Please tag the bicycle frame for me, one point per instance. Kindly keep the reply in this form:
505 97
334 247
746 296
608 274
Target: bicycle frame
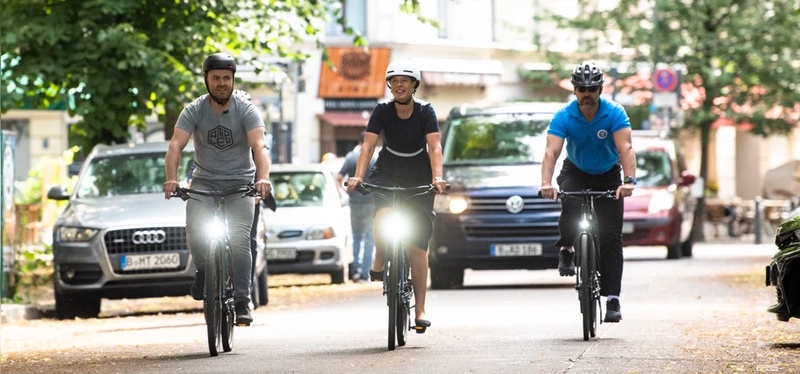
396 283
587 251
218 303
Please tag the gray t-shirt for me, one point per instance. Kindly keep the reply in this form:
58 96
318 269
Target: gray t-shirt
221 151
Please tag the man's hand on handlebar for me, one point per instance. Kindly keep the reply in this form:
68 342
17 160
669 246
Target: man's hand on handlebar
624 190
548 192
263 187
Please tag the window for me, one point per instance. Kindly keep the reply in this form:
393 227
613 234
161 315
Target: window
355 15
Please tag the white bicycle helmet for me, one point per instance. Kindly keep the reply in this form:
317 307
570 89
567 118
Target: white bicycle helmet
404 68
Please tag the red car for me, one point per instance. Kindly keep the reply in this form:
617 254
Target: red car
661 210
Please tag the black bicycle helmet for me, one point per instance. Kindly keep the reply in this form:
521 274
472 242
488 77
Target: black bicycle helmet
587 74
219 61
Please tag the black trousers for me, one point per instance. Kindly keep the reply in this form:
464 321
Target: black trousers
609 220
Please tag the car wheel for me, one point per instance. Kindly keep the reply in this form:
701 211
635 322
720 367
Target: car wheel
686 247
444 278
339 276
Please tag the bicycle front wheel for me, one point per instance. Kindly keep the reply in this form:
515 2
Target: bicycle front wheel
585 271
228 316
403 298
393 291
212 303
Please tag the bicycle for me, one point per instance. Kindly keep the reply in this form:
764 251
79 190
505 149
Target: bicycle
587 255
218 303
396 280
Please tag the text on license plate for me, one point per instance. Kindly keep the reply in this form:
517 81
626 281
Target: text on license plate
524 249
153 261
281 254
627 227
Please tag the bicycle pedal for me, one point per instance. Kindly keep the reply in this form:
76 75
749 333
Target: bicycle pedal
420 329
242 324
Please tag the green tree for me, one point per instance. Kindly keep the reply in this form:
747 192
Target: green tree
116 62
741 55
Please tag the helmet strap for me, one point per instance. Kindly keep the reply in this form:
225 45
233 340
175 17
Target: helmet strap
216 99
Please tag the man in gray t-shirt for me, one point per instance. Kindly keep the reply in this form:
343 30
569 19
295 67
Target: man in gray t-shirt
229 152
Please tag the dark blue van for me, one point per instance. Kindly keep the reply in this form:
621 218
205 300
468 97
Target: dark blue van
492 217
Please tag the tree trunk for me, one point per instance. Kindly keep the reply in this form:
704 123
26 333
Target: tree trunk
170 118
700 212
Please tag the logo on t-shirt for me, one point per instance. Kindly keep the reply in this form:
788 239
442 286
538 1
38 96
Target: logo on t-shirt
220 137
602 134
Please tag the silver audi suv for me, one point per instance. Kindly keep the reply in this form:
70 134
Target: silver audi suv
118 237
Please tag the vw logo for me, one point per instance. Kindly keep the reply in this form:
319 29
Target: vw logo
514 204
149 237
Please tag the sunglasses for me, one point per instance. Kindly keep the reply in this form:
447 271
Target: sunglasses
590 89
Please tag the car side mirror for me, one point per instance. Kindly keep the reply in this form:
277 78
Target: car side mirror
686 179
58 193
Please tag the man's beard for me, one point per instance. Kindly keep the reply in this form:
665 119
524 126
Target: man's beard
218 100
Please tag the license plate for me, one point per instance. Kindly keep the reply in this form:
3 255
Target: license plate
627 227
281 254
525 249
154 261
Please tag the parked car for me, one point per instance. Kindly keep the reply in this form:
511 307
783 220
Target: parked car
118 237
492 217
662 208
310 231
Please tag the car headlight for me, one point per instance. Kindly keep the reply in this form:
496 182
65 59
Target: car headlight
661 201
319 233
395 225
453 204
76 234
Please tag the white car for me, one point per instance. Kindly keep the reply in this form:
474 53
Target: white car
310 231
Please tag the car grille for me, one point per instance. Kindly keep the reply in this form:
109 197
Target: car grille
487 207
120 242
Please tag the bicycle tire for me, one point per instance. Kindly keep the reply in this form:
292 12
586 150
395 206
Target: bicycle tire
228 314
585 287
594 287
393 291
212 303
403 309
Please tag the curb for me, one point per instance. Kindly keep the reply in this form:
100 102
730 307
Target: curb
15 312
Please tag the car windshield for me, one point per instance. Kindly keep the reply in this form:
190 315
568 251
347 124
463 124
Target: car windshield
294 189
497 139
653 169
130 174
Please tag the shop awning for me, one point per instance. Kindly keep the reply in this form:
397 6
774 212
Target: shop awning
345 119
459 72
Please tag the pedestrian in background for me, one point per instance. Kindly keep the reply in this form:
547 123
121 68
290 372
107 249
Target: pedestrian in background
362 209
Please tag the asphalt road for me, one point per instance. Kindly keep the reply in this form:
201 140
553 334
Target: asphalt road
700 315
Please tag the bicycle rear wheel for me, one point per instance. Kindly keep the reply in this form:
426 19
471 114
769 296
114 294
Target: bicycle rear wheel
393 268
228 315
585 288
403 309
212 303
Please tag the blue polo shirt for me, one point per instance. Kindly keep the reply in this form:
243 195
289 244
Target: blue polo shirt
590 145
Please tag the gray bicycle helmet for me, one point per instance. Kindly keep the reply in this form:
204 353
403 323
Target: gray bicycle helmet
219 61
587 74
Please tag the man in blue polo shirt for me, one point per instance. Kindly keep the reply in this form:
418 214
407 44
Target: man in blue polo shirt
598 136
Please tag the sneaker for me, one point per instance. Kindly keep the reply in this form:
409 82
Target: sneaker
243 316
566 263
613 314
198 285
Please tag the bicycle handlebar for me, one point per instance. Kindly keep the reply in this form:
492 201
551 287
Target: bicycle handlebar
183 192
367 188
586 193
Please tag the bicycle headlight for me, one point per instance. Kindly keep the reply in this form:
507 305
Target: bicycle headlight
215 229
584 224
396 225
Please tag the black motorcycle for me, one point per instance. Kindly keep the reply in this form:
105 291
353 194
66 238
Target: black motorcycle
784 270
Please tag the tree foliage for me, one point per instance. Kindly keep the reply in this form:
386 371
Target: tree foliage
116 62
741 56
